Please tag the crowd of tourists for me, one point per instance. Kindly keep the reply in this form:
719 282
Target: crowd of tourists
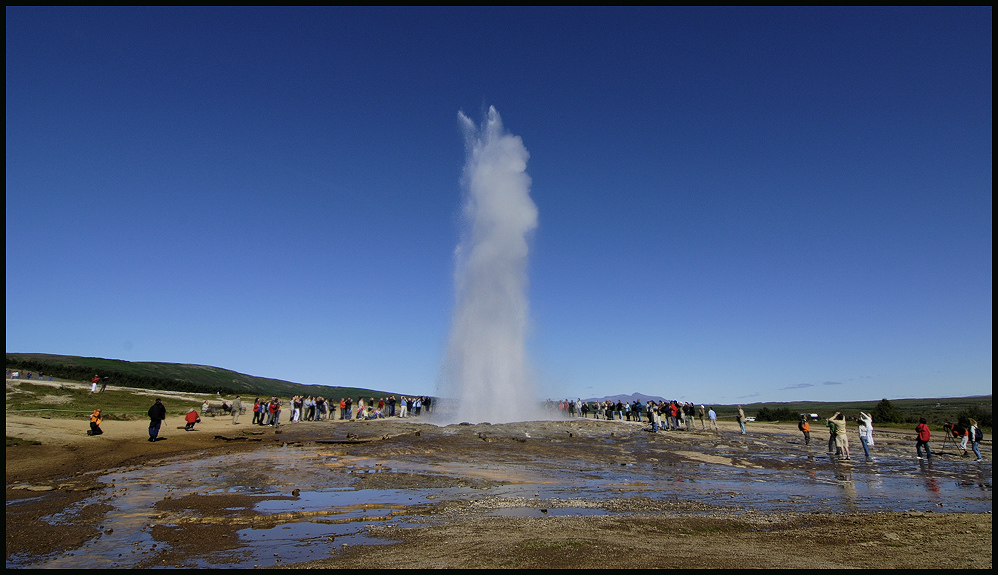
317 408
685 416
662 415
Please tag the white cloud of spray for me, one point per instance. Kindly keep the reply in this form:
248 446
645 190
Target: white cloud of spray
486 375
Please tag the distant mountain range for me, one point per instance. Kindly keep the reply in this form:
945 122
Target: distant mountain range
626 398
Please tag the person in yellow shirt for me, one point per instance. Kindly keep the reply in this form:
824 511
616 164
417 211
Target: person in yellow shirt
841 439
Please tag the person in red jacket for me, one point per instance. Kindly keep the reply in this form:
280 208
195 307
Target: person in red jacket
922 429
191 418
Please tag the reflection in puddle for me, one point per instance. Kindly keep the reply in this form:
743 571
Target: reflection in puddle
285 504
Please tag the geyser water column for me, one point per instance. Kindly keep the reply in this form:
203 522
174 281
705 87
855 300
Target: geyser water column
486 375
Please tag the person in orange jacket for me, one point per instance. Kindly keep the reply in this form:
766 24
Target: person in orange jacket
95 421
805 428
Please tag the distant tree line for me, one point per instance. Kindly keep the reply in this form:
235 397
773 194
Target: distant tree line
777 414
886 412
983 417
86 374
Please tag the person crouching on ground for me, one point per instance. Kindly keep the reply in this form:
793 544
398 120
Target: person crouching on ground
961 435
95 421
191 418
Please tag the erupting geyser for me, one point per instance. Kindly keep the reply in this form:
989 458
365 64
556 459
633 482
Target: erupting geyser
486 375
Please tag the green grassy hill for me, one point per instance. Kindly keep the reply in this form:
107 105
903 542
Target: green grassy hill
170 376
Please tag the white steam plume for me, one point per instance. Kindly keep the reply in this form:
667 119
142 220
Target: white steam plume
486 376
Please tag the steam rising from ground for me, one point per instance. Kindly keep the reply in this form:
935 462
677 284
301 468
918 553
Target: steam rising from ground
486 375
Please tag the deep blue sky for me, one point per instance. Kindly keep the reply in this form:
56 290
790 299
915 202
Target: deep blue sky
735 204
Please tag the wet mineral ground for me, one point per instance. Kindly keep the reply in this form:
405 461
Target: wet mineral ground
576 493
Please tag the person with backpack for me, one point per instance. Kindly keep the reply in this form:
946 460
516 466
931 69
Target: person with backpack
976 435
805 428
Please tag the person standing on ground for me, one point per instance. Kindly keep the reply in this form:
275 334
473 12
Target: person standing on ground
831 438
922 430
841 439
741 419
712 415
157 413
93 386
237 406
805 428
700 413
273 410
865 432
263 408
976 435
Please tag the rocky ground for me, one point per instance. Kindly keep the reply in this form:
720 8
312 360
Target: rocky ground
577 493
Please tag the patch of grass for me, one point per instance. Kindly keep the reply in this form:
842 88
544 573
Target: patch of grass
125 404
15 441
